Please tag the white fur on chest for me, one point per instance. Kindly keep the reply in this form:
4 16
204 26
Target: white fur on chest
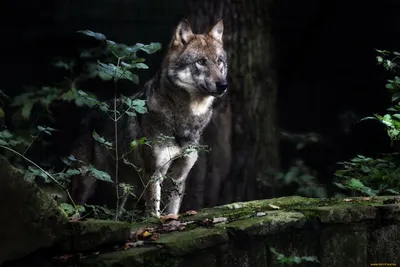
201 106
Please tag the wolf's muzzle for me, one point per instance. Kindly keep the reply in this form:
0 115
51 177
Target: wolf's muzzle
221 88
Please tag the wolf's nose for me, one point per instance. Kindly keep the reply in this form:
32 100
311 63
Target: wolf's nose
221 86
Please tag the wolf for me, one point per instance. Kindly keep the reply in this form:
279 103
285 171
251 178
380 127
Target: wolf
179 100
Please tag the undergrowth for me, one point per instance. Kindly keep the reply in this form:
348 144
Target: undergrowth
378 175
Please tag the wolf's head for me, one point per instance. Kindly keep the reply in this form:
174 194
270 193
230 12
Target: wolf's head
197 63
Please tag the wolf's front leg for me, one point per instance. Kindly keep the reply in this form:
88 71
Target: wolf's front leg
153 195
180 169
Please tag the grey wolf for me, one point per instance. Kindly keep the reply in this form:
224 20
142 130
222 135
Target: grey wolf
179 101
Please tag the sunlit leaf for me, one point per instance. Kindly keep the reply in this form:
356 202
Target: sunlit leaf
26 109
141 66
95 35
101 140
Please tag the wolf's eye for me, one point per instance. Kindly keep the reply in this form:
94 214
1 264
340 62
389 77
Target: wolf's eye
201 61
219 61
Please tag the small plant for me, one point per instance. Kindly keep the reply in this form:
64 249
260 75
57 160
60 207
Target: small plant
377 176
390 61
291 260
368 176
108 61
298 178
303 178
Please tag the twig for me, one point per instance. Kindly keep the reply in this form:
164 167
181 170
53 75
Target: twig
116 143
40 168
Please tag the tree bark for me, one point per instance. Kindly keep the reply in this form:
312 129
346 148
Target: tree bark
243 133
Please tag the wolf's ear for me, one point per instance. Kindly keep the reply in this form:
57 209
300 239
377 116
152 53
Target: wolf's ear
217 30
183 33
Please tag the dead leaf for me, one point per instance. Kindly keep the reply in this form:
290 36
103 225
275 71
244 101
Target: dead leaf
348 200
260 214
65 257
146 234
139 233
190 212
173 226
366 198
207 222
142 233
129 245
220 220
274 206
169 217
155 236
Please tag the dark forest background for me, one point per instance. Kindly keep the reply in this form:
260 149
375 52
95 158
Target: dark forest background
296 67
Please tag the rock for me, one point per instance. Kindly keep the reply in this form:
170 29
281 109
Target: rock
88 235
29 219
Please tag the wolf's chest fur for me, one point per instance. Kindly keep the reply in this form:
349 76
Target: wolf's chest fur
184 122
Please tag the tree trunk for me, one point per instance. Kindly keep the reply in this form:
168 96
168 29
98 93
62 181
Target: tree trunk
243 133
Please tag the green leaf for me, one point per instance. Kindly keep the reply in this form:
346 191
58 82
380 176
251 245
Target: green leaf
150 48
126 100
130 113
1 113
126 65
356 183
3 142
107 70
389 86
127 75
46 130
80 98
95 35
365 169
64 65
100 175
136 143
392 191
16 142
5 134
101 140
105 76
137 60
72 172
68 208
396 97
310 258
139 106
141 66
35 172
111 43
369 118
26 109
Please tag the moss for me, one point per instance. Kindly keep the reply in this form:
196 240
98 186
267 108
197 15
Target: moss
383 244
181 243
389 211
345 242
33 221
273 222
344 245
135 257
90 234
345 213
201 258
